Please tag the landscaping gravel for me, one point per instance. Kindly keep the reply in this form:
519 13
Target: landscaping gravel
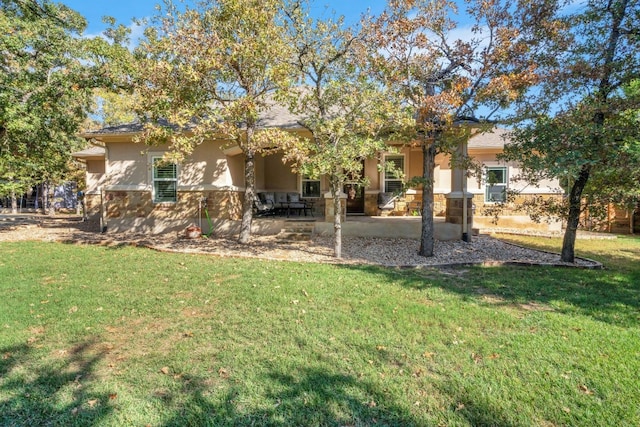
355 250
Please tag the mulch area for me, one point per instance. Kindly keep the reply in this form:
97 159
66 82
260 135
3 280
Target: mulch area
355 250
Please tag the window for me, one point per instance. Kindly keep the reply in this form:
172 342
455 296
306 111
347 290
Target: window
496 184
393 174
310 187
165 181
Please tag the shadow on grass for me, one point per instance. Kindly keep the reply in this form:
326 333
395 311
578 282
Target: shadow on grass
604 295
42 392
303 396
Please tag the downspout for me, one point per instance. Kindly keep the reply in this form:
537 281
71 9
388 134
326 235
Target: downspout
103 225
466 235
465 226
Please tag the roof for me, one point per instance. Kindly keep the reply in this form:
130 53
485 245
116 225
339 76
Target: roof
277 116
90 152
495 138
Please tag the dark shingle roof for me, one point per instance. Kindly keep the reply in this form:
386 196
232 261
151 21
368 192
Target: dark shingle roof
277 116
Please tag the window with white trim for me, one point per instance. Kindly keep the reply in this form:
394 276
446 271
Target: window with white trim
393 175
496 184
165 181
310 187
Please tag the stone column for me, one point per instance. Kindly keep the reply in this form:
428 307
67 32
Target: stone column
329 213
459 201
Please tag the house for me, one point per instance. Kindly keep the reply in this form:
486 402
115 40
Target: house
128 188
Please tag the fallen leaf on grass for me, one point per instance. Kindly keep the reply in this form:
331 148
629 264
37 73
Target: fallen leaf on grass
165 370
92 403
583 388
113 396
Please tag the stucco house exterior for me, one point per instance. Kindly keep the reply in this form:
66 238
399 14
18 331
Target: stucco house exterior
129 189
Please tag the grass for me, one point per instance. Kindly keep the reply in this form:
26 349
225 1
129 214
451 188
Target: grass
127 336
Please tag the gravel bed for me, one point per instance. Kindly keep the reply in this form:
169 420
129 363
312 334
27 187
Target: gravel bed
355 250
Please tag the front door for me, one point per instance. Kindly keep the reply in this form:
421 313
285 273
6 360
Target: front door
355 198
355 194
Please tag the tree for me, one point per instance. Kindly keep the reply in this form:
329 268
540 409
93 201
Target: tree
583 127
113 108
444 79
48 72
209 72
346 113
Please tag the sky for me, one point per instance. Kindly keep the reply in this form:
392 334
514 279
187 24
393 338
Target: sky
125 10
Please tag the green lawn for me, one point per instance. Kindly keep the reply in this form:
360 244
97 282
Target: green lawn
127 336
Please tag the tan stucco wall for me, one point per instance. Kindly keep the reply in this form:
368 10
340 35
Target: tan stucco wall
260 173
277 175
488 158
95 175
372 173
126 165
413 160
129 165
208 165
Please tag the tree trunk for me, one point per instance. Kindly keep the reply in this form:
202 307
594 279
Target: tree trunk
249 196
14 202
45 197
48 207
575 197
337 219
428 168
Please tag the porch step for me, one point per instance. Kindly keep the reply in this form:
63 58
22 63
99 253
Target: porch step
296 231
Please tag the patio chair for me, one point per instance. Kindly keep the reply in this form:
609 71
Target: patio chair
265 208
387 203
296 204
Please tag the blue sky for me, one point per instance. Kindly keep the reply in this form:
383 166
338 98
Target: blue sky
125 10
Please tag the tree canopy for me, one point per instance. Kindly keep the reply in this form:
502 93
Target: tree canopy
581 123
208 71
48 73
347 113
447 79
